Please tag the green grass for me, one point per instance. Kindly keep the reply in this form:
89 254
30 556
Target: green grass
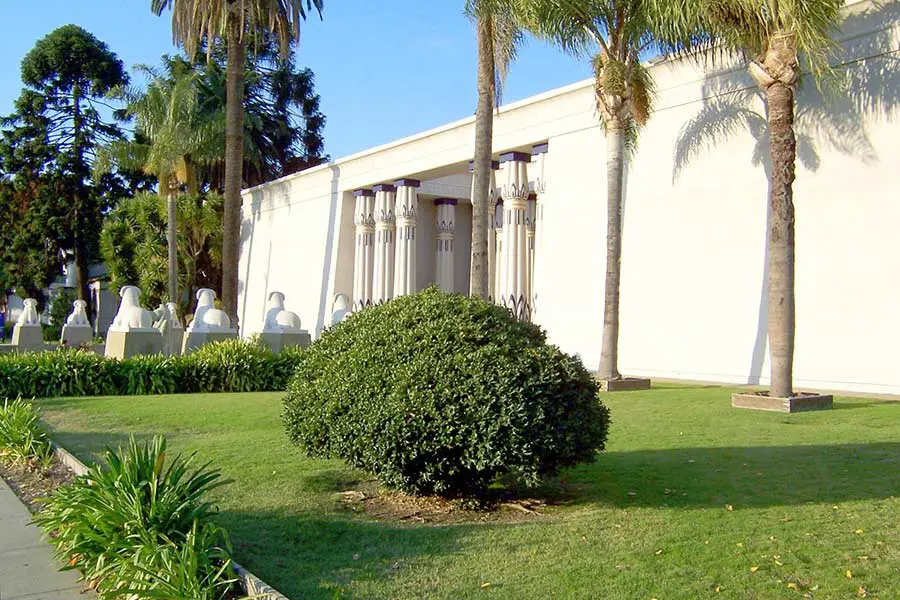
815 492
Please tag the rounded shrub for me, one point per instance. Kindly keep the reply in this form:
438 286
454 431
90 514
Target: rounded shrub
440 393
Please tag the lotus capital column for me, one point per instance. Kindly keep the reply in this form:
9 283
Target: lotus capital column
406 211
385 229
364 257
515 285
446 234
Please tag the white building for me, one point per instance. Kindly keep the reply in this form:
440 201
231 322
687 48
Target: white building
397 218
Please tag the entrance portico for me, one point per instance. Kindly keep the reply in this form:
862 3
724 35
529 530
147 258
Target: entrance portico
406 235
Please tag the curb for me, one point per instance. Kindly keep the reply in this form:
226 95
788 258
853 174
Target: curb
252 585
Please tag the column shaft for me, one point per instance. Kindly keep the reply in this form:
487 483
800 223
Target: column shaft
515 288
364 258
446 233
406 211
383 273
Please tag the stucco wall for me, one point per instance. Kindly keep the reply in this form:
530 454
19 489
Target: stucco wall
692 298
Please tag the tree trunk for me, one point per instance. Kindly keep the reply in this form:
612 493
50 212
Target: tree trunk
172 231
615 166
234 160
781 238
78 243
484 131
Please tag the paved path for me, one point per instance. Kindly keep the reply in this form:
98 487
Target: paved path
27 568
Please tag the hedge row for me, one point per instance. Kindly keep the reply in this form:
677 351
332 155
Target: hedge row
230 366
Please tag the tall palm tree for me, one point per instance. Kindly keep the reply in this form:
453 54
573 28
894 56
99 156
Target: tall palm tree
174 135
196 21
498 38
775 37
614 34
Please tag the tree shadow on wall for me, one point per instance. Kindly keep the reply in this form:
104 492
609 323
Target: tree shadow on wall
834 117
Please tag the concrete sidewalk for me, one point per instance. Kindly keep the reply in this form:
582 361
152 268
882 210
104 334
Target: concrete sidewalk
27 567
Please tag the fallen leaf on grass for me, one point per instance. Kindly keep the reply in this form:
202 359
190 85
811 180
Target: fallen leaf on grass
779 563
729 507
485 585
792 585
754 569
658 552
859 532
861 592
849 574
718 589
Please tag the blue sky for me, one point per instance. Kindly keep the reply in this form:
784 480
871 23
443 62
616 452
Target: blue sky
384 70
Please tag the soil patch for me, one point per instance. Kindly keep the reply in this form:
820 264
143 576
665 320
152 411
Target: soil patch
31 482
498 507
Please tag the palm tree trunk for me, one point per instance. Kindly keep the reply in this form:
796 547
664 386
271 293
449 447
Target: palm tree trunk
615 167
234 160
173 248
484 131
781 238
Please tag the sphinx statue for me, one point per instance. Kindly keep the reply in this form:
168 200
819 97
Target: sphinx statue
132 331
282 327
340 308
209 324
77 330
27 332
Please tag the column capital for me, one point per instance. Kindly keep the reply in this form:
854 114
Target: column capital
540 149
451 201
495 165
515 157
384 187
407 183
363 193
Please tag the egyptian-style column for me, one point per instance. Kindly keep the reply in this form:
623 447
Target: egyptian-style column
446 230
383 269
530 221
492 234
364 257
406 210
539 186
514 277
497 237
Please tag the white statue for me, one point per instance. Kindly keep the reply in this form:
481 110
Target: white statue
208 318
279 320
29 314
173 316
340 308
78 318
131 315
162 319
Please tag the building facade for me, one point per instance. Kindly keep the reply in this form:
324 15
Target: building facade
397 218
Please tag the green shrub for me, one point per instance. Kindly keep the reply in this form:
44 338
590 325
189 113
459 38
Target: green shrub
22 438
439 393
231 366
110 522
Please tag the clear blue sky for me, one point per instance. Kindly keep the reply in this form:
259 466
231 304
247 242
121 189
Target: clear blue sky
384 69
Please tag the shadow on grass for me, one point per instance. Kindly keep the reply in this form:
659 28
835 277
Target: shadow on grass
314 555
743 477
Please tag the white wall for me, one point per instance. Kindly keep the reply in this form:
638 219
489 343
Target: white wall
692 295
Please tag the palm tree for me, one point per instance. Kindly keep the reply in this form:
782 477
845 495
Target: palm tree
774 36
174 135
196 21
498 40
614 33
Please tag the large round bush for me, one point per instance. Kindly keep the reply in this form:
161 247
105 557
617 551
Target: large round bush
440 393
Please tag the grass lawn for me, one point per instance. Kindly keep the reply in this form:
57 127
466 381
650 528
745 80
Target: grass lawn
693 499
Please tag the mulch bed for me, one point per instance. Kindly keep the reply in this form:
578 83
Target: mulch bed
32 482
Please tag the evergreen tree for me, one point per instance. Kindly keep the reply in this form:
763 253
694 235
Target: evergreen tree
48 149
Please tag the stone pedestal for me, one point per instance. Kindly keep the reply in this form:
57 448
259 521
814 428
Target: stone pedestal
125 344
193 340
28 338
173 341
626 384
798 403
74 336
276 342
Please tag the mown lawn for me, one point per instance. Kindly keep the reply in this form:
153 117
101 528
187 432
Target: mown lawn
693 499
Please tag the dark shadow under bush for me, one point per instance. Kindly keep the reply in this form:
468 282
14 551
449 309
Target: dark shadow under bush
440 393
